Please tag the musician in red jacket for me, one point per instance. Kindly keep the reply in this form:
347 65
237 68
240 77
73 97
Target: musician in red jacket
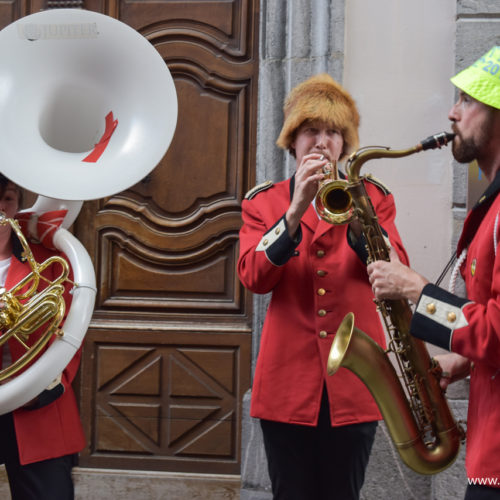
318 430
468 327
39 441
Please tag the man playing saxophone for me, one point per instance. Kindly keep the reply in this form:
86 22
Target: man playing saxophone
318 430
467 327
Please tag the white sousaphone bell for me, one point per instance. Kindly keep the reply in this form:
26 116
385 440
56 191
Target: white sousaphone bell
87 109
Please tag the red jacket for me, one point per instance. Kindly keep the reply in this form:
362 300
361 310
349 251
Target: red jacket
53 430
314 284
471 327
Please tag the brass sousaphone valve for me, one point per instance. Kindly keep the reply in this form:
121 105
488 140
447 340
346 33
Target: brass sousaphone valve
24 311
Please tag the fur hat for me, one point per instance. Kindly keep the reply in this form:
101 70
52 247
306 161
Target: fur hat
320 98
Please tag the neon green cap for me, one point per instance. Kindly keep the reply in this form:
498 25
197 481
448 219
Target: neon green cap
481 80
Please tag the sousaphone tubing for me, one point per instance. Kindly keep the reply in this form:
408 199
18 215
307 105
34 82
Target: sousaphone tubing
87 109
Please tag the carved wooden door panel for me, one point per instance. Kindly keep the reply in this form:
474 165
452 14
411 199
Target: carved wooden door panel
167 358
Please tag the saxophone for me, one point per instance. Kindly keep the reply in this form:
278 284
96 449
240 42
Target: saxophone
415 409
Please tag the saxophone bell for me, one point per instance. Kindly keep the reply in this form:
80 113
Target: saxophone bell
425 454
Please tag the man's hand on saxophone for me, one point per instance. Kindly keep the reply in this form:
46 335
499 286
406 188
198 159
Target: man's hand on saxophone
394 280
454 366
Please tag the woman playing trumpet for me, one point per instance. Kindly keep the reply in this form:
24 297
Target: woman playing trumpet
318 430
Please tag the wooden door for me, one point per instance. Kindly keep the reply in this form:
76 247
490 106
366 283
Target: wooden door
166 360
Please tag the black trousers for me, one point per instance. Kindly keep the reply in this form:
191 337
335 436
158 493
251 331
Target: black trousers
45 480
479 492
317 463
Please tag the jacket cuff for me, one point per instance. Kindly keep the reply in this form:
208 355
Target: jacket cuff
277 243
437 315
48 396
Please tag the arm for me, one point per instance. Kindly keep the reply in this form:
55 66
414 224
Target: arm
264 250
441 318
307 178
269 237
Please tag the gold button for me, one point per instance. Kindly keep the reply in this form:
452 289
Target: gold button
431 308
320 253
321 312
452 317
265 242
320 272
323 334
277 230
321 291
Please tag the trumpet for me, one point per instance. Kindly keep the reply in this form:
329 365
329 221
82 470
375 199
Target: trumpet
334 198
333 201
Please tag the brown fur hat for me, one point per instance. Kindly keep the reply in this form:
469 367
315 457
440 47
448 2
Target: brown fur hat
320 98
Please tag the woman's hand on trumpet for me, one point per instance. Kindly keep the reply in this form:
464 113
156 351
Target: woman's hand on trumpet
309 173
394 280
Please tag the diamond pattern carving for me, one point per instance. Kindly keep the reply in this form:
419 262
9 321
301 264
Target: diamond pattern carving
168 401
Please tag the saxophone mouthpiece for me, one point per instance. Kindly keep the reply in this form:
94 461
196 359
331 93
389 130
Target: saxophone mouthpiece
437 140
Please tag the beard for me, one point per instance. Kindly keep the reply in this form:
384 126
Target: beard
465 150
469 149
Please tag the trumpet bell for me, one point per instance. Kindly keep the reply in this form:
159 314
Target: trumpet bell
76 84
334 203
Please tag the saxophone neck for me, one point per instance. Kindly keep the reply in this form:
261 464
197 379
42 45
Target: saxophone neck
361 156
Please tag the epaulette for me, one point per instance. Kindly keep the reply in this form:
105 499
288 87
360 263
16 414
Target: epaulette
379 184
257 189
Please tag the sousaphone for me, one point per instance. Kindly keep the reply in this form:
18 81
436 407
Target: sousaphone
87 109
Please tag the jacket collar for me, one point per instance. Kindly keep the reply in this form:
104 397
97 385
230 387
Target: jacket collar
478 212
490 193
18 265
17 248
